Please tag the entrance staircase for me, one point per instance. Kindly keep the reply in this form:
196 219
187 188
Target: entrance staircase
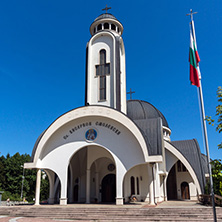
112 213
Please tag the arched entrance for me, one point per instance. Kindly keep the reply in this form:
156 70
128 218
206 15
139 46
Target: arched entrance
171 184
109 188
185 194
91 171
67 138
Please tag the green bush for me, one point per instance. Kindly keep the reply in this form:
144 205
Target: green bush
12 197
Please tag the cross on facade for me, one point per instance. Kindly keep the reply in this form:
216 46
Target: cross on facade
102 70
191 14
106 8
130 92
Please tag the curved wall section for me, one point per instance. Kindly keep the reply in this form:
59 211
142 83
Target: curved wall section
114 131
176 155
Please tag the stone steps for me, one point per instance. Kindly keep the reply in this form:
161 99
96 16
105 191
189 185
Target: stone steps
113 213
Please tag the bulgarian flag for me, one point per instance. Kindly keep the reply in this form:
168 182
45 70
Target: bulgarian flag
194 59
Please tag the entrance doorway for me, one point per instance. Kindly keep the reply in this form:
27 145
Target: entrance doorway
185 194
171 184
109 188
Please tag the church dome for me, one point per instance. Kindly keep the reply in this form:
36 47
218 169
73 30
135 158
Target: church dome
104 16
106 22
138 110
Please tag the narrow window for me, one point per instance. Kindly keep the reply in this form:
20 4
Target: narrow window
106 26
137 185
179 166
113 27
102 87
184 168
99 27
132 183
102 70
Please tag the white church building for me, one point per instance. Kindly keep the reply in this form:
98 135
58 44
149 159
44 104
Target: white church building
112 150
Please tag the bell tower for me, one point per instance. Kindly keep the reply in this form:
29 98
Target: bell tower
105 64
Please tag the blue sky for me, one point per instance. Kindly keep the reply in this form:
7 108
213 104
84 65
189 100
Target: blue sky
42 63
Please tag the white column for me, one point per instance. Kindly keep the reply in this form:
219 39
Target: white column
63 181
151 184
119 191
120 172
165 187
157 183
51 176
87 186
119 186
37 188
71 185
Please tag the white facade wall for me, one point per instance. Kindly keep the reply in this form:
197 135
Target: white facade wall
185 177
123 76
106 40
59 143
141 173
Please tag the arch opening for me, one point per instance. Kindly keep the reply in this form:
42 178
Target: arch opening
53 186
88 180
180 185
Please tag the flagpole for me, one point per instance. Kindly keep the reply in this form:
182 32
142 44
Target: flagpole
204 124
207 149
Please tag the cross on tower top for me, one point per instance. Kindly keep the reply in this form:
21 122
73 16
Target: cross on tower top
106 8
130 92
191 14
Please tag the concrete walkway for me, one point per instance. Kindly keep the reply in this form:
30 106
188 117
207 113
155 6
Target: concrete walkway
181 204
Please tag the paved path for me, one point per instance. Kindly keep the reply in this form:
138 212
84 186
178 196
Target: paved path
180 204
26 219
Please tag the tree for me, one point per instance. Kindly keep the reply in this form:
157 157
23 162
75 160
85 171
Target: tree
2 172
218 116
11 172
44 189
217 176
216 164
